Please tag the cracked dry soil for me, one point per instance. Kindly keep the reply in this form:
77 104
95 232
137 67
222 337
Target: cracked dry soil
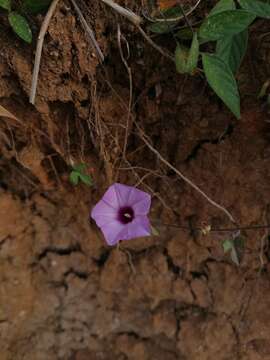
64 295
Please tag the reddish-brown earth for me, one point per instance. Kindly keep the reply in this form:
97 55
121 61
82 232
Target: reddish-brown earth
63 293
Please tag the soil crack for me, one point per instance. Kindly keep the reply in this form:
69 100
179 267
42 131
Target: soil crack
194 152
60 251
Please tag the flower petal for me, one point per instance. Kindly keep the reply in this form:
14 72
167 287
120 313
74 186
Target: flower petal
111 232
106 213
113 196
123 193
137 228
141 198
140 227
103 208
102 220
142 206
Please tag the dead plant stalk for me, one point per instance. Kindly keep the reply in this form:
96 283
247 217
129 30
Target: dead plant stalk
41 36
136 20
129 117
43 30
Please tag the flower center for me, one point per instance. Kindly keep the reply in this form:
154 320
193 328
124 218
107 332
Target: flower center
126 215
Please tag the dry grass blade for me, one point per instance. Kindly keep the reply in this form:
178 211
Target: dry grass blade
5 113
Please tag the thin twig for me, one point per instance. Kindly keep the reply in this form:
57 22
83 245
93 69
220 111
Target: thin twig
152 43
185 16
39 47
183 177
89 31
129 117
130 15
136 20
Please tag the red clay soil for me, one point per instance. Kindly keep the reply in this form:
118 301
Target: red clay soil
64 294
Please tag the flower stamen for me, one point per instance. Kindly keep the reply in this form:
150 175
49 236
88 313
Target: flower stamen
125 214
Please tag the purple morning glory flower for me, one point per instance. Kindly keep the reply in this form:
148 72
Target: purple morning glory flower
122 212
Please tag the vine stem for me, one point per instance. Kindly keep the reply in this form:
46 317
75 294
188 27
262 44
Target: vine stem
239 228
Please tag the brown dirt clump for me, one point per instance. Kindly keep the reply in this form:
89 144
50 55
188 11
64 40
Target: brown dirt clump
65 295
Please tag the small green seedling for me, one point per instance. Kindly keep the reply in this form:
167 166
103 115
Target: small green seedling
235 245
78 174
226 30
17 21
154 231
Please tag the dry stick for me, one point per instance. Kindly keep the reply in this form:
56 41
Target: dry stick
185 16
183 177
136 20
89 31
152 43
147 143
41 36
119 35
130 15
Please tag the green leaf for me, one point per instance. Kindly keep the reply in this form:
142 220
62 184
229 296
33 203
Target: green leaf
20 26
226 23
227 245
193 55
86 179
222 81
163 27
256 7
181 56
172 12
185 34
186 60
239 243
235 257
237 251
154 231
232 49
221 6
80 167
74 178
5 4
36 6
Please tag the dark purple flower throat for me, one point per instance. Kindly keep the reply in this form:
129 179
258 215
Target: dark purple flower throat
125 214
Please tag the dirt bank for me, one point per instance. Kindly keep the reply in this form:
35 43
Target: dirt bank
63 293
